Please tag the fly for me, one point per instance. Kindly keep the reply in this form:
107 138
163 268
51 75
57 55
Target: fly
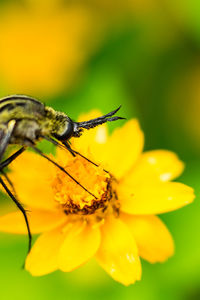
24 121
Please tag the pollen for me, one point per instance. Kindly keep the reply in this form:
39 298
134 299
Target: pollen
72 197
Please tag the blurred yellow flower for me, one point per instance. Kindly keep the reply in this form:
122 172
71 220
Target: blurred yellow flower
119 226
42 46
136 7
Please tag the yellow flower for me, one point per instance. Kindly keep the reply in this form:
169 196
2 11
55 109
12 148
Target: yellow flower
43 44
119 226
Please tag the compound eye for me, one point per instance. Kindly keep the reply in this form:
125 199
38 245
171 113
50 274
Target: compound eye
67 134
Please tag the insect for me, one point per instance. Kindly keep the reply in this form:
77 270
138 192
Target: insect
24 121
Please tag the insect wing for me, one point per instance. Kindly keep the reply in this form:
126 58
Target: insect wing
5 135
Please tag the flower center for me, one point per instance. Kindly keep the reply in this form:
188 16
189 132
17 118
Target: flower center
74 199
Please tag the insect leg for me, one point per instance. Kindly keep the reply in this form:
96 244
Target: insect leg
9 182
5 135
65 145
6 162
78 153
51 140
21 208
62 169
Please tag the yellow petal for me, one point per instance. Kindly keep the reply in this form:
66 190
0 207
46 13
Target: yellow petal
153 239
154 198
43 258
39 221
123 149
99 136
117 153
80 244
91 141
63 156
32 175
118 253
154 165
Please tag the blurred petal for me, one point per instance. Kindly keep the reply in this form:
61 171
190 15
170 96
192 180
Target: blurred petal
153 239
61 55
118 253
154 165
123 149
39 221
32 175
80 244
154 198
43 258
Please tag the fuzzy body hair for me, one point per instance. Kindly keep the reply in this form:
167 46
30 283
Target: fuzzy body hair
33 119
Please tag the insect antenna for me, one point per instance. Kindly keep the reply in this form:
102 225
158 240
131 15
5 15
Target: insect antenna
21 208
61 168
100 120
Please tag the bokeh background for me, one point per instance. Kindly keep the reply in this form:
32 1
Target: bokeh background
84 54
